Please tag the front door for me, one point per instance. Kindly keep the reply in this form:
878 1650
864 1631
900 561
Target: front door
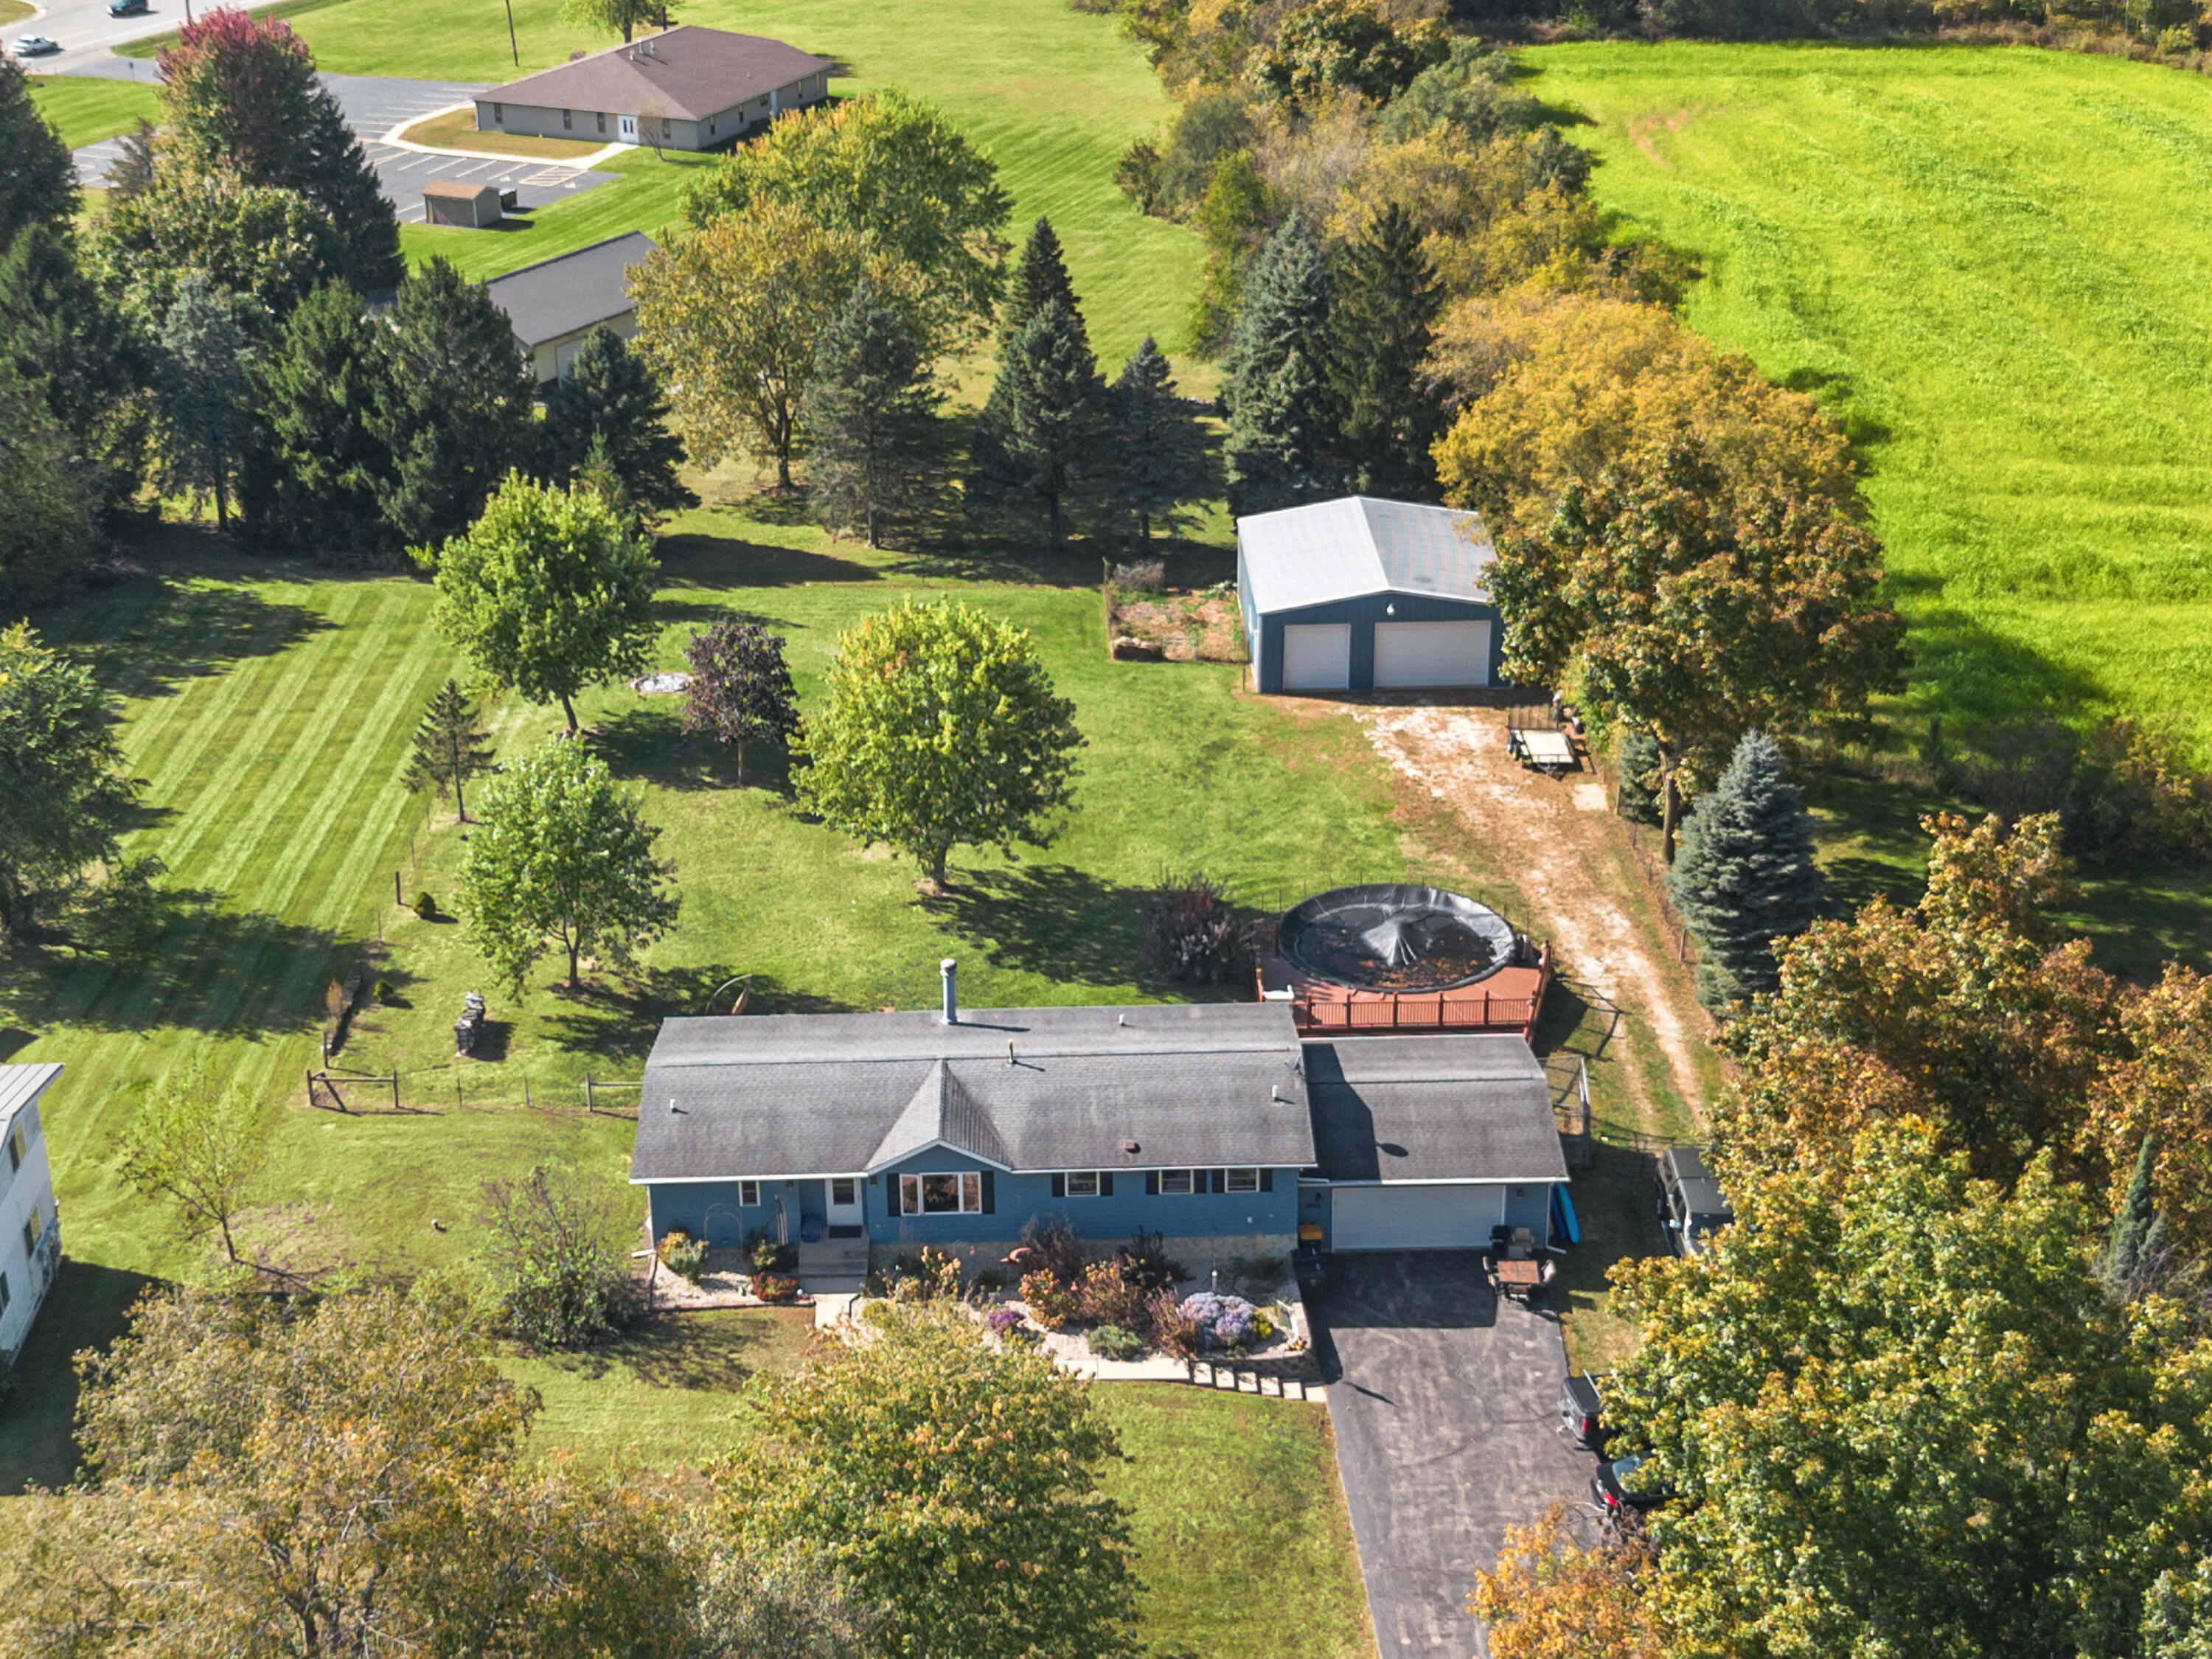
628 129
844 1207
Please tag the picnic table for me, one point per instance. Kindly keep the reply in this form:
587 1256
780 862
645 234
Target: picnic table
1518 1280
1547 751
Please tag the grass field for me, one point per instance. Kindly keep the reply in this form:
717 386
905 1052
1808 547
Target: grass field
84 110
1053 95
1996 265
457 130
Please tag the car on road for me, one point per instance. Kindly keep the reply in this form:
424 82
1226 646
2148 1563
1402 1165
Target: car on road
1609 1486
36 45
126 8
1691 1207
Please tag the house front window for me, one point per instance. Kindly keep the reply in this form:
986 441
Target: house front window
567 120
843 1189
499 114
1083 1183
18 1144
667 129
958 1192
603 120
748 1193
1243 1181
1177 1183
30 1234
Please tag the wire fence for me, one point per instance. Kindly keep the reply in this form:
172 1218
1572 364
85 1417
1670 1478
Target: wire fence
437 1091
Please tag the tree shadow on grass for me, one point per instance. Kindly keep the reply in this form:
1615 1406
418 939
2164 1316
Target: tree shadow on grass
695 558
649 744
88 1307
618 1018
148 640
686 1351
1049 919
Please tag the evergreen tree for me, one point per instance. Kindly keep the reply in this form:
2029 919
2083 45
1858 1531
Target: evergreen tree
1637 763
1054 419
131 173
202 388
317 467
1745 875
1161 461
1283 420
1040 277
872 411
449 748
37 180
61 332
612 395
458 404
49 509
2138 1235
1383 326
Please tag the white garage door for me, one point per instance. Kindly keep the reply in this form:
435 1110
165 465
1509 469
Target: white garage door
1411 653
1414 1218
1317 657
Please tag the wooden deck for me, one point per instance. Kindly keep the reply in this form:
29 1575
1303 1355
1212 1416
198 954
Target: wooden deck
1508 1001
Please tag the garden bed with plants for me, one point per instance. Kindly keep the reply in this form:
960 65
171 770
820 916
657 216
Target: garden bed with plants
1147 621
761 1274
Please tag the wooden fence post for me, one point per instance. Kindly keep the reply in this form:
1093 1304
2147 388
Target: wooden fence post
395 1091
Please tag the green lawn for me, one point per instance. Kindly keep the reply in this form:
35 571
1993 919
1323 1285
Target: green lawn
1995 265
1052 94
85 110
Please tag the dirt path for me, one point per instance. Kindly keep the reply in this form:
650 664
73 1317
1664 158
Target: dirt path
1565 851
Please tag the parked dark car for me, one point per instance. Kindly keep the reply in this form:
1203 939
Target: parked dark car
1609 1486
126 8
1691 1207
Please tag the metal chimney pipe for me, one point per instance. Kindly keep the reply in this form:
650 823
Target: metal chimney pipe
950 970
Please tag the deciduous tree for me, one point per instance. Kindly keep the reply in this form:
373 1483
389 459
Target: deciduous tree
940 727
871 414
1746 876
547 593
552 1250
955 1487
38 185
242 97
450 748
611 396
1554 1596
50 510
1283 419
63 792
611 16
1697 614
740 692
562 859
893 173
197 1145
265 242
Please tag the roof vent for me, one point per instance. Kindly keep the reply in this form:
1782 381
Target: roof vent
1129 1146
948 970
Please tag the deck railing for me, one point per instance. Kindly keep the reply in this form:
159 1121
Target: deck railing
1389 1010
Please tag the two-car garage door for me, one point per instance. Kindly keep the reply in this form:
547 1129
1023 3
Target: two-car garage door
1442 1215
1317 657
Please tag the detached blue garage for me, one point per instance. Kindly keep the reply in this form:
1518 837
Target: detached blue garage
1360 594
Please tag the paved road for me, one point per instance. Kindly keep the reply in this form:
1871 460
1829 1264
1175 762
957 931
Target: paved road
85 31
1445 1404
374 106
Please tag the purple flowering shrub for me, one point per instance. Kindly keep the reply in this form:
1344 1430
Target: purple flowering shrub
1002 1320
1223 1321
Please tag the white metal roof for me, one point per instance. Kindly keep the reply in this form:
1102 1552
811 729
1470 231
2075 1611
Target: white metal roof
1339 550
21 1084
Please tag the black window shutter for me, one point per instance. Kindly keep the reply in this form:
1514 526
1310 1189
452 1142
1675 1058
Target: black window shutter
1105 1183
895 1189
1216 1181
1060 1185
1267 1181
990 1195
1152 1184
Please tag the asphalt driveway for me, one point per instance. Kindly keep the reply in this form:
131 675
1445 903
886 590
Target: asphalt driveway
1445 1403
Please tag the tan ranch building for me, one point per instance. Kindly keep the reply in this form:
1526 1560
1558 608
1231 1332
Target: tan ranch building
698 87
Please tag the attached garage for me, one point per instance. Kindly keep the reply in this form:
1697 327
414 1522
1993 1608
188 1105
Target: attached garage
1426 1216
1360 594
1318 658
1411 655
1427 1143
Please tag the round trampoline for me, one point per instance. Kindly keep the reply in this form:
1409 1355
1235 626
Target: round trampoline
1378 937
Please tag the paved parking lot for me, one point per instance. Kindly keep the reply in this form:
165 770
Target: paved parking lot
374 106
1445 1401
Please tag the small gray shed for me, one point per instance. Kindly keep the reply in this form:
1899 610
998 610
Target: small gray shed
1359 594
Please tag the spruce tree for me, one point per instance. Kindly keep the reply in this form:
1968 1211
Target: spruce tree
38 179
612 394
871 411
1161 461
1283 419
1637 764
1745 876
449 748
2138 1234
1054 422
1386 301
458 406
317 467
62 333
203 387
1040 277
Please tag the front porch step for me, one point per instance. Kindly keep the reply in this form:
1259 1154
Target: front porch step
834 1265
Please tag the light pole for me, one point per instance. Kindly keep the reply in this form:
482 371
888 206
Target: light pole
511 46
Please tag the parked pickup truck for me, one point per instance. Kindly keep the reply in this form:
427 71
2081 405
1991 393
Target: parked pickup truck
1691 1207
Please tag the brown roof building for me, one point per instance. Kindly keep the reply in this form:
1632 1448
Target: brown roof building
449 202
687 89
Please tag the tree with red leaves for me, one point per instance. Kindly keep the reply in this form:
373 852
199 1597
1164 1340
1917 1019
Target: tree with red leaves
243 99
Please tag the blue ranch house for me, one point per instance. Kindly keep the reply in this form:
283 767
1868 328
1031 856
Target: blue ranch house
862 1136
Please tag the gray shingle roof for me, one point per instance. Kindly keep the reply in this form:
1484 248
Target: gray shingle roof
831 1094
1338 550
688 72
21 1084
560 295
1432 1108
